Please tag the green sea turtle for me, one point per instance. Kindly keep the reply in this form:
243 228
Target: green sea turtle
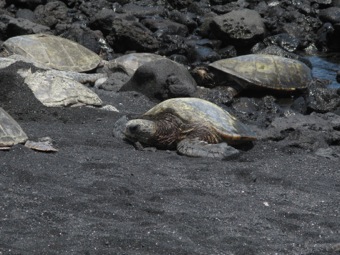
10 131
195 127
53 51
256 72
132 61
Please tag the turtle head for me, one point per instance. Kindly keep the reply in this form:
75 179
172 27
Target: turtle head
140 130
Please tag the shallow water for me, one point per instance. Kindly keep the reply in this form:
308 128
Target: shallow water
326 68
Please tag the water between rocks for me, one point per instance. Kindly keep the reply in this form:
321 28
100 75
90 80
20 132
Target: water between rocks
326 68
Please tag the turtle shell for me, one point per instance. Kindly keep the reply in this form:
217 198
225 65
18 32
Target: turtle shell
266 71
134 60
10 131
53 51
197 111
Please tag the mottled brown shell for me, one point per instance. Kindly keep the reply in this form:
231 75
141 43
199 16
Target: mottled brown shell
53 51
266 71
197 111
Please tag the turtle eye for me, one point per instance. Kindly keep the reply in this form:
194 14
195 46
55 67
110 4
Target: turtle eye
134 128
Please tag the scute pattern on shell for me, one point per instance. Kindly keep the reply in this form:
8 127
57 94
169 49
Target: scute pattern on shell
268 71
54 52
10 131
201 112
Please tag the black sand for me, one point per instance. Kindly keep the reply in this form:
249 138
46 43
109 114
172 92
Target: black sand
98 195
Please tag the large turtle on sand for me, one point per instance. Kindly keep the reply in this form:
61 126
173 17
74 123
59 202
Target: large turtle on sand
53 52
275 74
195 127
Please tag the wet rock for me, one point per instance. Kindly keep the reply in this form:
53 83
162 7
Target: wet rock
187 19
285 41
161 79
286 17
179 4
181 59
227 52
51 14
173 44
198 54
338 76
129 35
321 98
163 27
10 26
331 14
323 37
31 4
242 28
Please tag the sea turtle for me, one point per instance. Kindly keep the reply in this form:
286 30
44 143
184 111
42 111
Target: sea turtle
53 51
52 89
132 61
194 126
256 72
10 131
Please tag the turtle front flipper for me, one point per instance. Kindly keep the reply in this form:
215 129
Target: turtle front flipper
198 148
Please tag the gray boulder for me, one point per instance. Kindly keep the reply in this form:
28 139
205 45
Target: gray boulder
240 27
161 79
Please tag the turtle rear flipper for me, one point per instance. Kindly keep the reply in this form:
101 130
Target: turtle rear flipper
197 148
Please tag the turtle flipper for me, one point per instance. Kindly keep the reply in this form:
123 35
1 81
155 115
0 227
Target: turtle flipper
197 148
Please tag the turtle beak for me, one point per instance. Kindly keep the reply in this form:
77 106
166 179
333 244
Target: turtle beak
140 130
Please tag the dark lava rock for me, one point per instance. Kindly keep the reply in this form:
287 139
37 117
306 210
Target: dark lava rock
161 79
130 35
103 20
322 99
51 14
179 4
285 41
84 36
331 14
324 35
26 14
242 28
143 9
338 76
10 26
31 4
163 27
187 19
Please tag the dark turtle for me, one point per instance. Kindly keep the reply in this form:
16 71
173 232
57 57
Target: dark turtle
195 127
53 52
256 72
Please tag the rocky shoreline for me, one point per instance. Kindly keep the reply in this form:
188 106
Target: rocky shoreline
98 195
